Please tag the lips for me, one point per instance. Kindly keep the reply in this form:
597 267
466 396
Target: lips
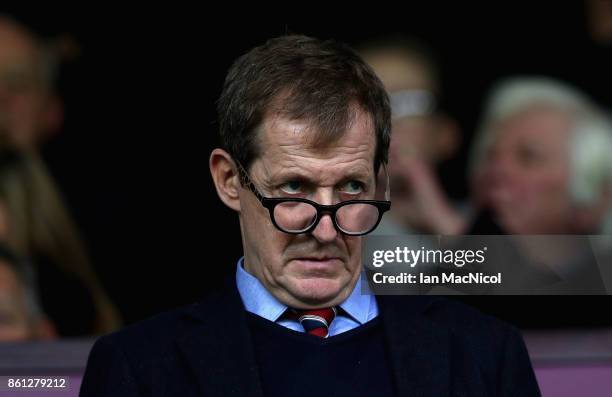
311 267
321 262
313 258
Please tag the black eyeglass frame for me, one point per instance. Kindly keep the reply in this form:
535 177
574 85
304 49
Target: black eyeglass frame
271 202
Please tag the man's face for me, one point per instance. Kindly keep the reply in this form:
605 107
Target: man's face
525 175
320 268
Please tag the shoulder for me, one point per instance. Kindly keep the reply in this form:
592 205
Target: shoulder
158 334
473 334
478 346
144 341
124 363
481 333
156 338
444 312
129 361
493 347
150 354
463 318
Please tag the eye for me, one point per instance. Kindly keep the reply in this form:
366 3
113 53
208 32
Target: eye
529 156
292 187
352 187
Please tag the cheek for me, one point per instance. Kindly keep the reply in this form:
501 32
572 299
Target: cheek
264 240
353 247
274 249
550 187
545 202
255 218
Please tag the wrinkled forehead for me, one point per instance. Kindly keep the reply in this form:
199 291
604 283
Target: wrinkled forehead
283 142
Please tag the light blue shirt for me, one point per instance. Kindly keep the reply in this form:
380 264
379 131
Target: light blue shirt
358 308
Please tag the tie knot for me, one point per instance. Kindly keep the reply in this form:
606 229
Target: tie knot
315 322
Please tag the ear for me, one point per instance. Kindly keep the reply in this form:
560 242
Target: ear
448 137
589 219
225 178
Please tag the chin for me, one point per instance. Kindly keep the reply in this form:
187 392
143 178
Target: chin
318 290
513 227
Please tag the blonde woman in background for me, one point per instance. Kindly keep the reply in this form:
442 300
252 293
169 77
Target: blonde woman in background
33 218
35 224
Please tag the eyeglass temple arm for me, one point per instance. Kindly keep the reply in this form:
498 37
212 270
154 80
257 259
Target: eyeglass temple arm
245 180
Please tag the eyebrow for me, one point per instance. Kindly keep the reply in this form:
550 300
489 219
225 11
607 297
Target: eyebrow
296 175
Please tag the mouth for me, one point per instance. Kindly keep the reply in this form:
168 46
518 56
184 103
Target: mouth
318 263
501 199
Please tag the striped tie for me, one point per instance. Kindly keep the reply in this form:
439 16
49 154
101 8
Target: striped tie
315 322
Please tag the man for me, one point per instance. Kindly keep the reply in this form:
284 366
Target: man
305 126
541 161
541 165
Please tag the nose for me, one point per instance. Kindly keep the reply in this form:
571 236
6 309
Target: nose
500 169
325 232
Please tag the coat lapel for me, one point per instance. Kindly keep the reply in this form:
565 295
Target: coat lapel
420 351
218 347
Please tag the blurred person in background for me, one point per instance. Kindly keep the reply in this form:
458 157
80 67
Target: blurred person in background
542 160
36 225
30 110
541 165
21 315
423 137
40 226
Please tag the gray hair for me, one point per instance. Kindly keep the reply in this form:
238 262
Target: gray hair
590 146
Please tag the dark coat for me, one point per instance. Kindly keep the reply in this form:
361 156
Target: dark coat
438 347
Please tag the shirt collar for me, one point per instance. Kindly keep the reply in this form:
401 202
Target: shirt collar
258 300
360 303
255 297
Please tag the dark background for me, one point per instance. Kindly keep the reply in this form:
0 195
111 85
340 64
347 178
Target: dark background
140 125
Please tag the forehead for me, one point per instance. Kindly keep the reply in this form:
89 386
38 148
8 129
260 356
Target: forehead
544 126
289 143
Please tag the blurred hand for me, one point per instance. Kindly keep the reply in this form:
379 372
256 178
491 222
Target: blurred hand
420 202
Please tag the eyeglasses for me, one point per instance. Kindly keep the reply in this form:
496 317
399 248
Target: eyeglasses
295 215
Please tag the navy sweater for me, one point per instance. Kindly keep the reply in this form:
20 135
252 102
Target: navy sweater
354 363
